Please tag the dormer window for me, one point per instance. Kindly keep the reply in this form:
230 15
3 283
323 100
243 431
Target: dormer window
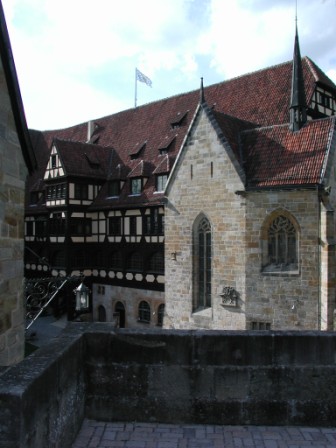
136 185
113 188
161 180
178 120
36 196
137 150
93 160
166 144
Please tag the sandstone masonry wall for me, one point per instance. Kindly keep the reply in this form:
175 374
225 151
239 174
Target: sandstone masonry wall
12 183
130 298
208 180
205 181
287 300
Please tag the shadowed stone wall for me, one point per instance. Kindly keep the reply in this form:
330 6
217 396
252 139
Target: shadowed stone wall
42 398
216 377
96 371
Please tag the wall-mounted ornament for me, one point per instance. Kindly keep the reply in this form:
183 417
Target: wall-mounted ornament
229 296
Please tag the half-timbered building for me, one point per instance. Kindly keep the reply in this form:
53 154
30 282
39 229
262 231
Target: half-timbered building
216 204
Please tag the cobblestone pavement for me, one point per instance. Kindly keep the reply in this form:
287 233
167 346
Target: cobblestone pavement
95 434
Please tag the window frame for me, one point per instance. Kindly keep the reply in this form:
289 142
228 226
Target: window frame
144 312
153 224
57 224
202 263
116 260
81 191
160 182
160 314
280 244
135 262
133 225
113 188
136 186
29 228
57 191
41 225
115 225
53 161
156 263
81 226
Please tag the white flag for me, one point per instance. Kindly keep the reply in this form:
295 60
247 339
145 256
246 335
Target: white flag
143 78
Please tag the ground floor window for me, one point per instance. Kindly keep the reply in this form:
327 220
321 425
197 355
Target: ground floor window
160 314
101 314
260 326
119 310
144 312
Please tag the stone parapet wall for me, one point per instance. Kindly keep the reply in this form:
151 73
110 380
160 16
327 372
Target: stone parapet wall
96 371
42 399
256 378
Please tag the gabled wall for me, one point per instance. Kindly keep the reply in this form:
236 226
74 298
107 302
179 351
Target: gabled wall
204 181
207 181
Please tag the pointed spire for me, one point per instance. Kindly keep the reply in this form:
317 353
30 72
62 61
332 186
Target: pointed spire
298 105
202 98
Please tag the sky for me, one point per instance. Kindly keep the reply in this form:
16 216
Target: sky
76 59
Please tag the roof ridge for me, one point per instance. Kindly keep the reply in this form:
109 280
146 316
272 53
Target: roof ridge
181 94
312 68
308 123
80 143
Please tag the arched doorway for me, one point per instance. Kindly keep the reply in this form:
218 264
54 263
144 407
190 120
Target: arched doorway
101 314
120 310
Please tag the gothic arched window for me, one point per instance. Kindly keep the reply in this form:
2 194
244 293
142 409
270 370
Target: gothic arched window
282 245
202 263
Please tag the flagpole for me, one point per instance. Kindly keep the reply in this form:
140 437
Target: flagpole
135 95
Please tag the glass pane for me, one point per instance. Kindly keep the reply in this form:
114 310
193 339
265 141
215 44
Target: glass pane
204 264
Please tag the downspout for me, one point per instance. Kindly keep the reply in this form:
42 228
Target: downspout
319 262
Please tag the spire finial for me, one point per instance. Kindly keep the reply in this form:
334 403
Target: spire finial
202 98
298 105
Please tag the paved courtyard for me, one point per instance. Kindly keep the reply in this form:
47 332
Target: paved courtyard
95 434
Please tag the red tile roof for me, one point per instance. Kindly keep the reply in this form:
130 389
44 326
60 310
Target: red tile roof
84 160
256 99
275 156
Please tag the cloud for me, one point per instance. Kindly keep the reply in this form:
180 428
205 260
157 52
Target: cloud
76 58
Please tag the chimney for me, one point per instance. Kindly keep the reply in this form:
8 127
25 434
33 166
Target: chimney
90 131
